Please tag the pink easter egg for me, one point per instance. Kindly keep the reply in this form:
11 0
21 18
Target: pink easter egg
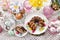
48 11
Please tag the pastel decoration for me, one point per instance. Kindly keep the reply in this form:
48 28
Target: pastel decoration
48 11
11 33
27 5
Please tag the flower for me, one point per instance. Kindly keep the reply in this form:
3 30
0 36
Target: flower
14 6
37 3
27 6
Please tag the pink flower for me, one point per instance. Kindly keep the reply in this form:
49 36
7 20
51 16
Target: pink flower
27 6
48 11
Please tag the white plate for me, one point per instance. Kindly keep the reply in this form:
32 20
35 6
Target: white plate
19 34
29 17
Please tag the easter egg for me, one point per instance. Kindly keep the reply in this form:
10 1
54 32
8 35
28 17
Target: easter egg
11 33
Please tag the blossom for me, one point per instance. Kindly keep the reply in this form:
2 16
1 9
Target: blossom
37 3
14 6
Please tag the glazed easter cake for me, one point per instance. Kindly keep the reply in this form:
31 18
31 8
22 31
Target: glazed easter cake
36 24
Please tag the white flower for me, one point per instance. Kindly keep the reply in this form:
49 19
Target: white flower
14 6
